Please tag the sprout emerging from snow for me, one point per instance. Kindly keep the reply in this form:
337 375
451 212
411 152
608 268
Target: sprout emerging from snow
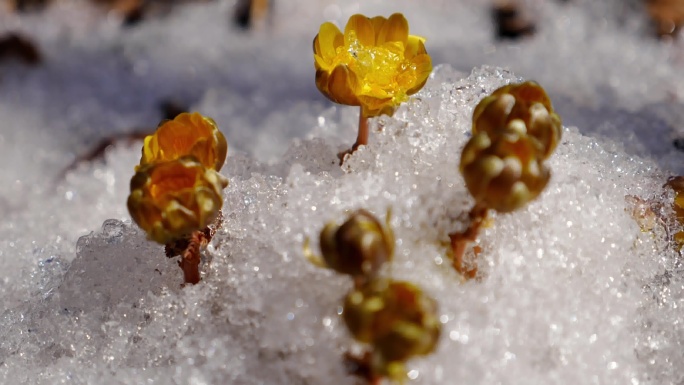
375 64
176 192
359 247
514 130
396 319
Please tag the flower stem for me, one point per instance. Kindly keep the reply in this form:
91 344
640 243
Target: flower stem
191 258
361 137
361 367
459 241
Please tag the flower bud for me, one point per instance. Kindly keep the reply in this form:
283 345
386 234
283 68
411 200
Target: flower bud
504 174
396 318
359 247
524 108
187 134
171 199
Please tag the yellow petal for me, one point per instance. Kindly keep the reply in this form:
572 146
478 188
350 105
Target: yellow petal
375 106
179 137
395 29
378 22
415 46
341 86
322 77
422 65
325 41
362 27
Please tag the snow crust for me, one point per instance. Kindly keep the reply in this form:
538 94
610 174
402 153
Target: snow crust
573 291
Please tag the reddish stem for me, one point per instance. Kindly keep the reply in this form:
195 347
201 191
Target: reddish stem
361 137
459 241
191 258
362 368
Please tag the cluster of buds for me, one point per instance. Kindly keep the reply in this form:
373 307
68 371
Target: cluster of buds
176 192
396 319
514 131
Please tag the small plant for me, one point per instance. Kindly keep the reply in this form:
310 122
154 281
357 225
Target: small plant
514 131
375 65
358 248
176 190
396 319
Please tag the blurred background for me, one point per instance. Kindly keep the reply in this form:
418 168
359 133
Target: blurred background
79 77
76 74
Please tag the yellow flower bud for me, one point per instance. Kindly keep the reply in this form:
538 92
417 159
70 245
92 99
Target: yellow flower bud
187 134
503 173
171 199
396 318
524 108
375 64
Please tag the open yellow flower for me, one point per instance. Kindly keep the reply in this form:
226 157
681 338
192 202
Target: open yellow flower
187 134
170 200
375 64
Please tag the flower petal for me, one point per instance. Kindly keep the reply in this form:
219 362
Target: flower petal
378 22
179 137
395 29
341 86
423 67
375 105
362 27
322 82
415 46
328 39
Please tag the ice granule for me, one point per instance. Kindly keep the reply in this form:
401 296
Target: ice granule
562 299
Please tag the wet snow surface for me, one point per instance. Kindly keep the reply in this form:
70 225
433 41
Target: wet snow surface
573 292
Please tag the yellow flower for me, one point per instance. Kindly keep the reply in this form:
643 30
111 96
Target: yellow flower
171 199
375 64
524 108
187 134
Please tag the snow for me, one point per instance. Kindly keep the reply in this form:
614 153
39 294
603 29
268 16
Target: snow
573 291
